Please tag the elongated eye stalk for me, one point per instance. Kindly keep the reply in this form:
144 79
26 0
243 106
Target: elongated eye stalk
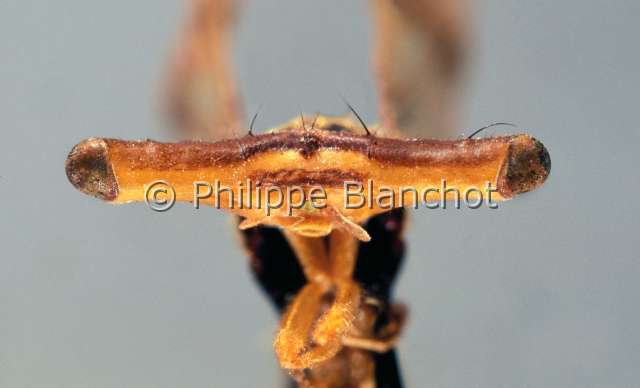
121 171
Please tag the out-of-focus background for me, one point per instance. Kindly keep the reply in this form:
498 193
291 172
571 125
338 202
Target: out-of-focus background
540 293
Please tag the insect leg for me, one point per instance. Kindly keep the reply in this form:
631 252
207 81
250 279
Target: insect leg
312 255
293 338
343 250
202 96
340 316
386 337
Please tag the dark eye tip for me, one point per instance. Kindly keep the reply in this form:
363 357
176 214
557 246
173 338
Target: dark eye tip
529 165
89 170
545 158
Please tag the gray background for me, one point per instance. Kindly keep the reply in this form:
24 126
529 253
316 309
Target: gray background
541 293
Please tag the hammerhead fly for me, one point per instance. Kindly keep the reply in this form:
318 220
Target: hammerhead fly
328 270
